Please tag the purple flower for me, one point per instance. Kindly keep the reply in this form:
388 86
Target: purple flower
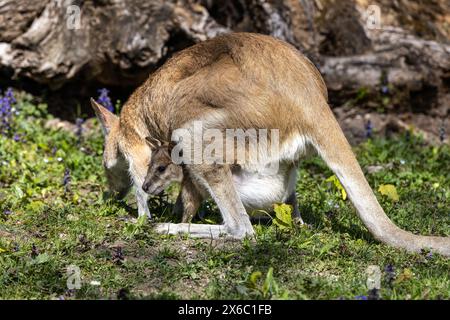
7 212
5 115
6 111
79 123
390 274
369 129
105 100
118 256
442 133
10 96
361 298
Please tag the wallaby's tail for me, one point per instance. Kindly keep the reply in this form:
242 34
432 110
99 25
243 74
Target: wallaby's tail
334 148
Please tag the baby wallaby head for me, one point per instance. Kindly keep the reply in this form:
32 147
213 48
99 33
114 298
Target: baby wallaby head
161 170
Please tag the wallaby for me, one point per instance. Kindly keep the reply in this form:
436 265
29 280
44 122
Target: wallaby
162 172
245 81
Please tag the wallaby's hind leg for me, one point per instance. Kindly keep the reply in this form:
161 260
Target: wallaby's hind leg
217 180
188 200
292 200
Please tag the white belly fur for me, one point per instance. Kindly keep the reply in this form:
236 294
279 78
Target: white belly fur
260 191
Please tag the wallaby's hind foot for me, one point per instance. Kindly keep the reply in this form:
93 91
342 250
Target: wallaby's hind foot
201 231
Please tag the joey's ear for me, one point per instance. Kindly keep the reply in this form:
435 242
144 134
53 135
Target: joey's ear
107 118
153 142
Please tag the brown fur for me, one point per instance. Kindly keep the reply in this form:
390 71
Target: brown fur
241 81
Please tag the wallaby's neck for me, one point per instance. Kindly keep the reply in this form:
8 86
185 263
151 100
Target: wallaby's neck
141 116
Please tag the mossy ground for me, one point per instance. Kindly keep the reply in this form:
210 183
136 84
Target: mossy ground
46 226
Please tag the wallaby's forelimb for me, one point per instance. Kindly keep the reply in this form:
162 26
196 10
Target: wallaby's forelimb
141 198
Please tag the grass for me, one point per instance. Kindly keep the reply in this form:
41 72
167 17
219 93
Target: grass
51 225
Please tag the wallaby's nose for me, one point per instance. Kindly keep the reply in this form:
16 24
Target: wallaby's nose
145 186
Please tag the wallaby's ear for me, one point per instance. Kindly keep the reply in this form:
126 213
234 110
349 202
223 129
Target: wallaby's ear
153 142
107 118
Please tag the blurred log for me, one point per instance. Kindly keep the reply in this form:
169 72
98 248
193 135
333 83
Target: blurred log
115 42
399 60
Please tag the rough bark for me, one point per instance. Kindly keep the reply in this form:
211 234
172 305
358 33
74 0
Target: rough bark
117 42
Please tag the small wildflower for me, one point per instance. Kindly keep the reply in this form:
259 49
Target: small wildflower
10 96
45 160
105 100
16 137
79 132
95 283
66 179
442 133
369 129
429 255
384 82
59 159
361 298
118 256
6 111
7 212
390 274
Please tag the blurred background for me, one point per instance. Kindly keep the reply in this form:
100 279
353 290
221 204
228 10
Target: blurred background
386 63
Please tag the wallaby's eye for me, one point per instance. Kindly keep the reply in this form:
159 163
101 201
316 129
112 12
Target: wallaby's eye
161 168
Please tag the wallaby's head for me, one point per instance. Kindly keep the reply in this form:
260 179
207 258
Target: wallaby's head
161 171
114 162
